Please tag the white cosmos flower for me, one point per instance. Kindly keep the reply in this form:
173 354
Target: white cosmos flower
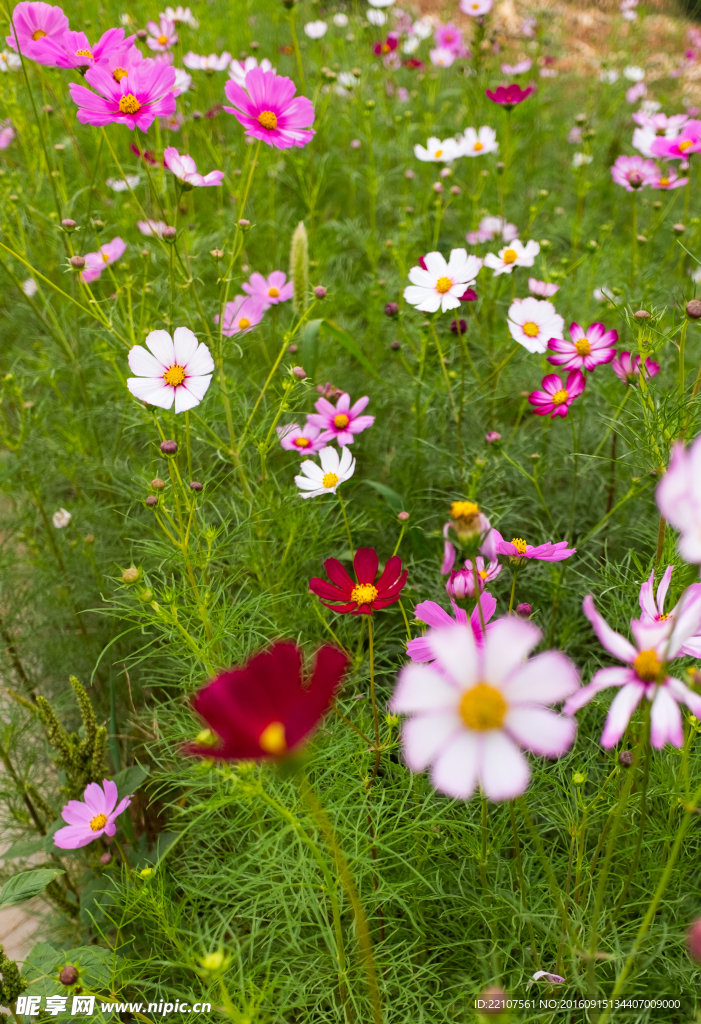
580 159
123 184
377 18
334 470
181 16
341 20
514 254
176 370
609 77
61 518
183 81
240 68
423 28
437 151
411 45
9 61
634 73
29 287
533 322
441 285
474 709
380 3
315 29
442 57
213 62
478 142
346 82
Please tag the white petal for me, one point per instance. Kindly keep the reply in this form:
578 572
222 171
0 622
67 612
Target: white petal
309 485
311 470
197 386
540 731
455 771
161 344
186 397
436 265
545 679
622 707
422 688
184 345
665 720
330 462
456 651
508 644
425 736
422 279
155 392
425 300
504 771
143 364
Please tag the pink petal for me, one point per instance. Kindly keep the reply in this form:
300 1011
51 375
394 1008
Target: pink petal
613 642
622 707
504 771
541 731
455 771
545 679
665 720
424 736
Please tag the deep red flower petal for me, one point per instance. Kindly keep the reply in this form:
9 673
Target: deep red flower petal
365 564
323 589
329 669
342 609
338 575
391 573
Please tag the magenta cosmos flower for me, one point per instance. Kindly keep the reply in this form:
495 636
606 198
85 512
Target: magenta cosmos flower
644 673
175 371
520 550
32 22
556 398
185 170
627 367
681 146
301 439
587 350
241 315
475 708
271 292
146 91
389 45
91 817
95 262
633 172
74 50
341 422
269 110
419 649
461 582
509 96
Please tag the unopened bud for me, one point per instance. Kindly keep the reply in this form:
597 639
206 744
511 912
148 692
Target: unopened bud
455 190
391 309
142 34
437 187
320 291
151 501
402 516
395 345
626 759
68 225
299 371
454 326
98 224
216 253
409 175
169 233
642 314
158 484
89 538
169 447
679 229
195 485
492 437
48 109
105 858
524 611
130 575
492 1001
77 262
69 974
500 167
693 309
244 224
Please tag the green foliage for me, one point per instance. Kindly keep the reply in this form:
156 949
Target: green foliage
80 757
26 886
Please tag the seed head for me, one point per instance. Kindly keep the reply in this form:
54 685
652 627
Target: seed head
169 447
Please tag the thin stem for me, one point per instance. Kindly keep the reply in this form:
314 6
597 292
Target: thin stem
373 698
513 592
345 520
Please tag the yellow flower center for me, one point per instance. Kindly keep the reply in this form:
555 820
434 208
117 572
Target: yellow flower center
560 396
272 739
163 40
531 329
385 48
647 666
686 144
244 322
443 285
129 104
84 53
519 544
329 480
664 181
478 147
273 293
341 420
39 34
174 375
105 257
302 442
267 119
98 822
583 347
482 708
119 73
663 617
482 573
510 256
364 593
464 509
438 154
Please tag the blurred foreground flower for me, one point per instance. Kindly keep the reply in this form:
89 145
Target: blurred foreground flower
679 498
364 595
175 370
474 708
92 818
419 649
271 113
334 470
471 527
653 610
264 709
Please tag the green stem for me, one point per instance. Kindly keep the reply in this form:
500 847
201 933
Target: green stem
373 698
345 520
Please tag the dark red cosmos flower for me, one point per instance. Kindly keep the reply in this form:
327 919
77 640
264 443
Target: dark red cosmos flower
414 63
148 155
390 43
469 296
364 596
263 709
509 96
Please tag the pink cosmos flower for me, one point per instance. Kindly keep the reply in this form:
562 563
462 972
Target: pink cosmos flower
644 673
95 262
520 550
94 815
7 133
653 611
185 170
517 69
476 8
636 92
667 180
627 367
449 37
679 497
241 315
343 421
509 96
660 123
633 172
543 289
74 50
587 350
33 21
461 582
556 398
300 439
151 227
163 34
175 371
474 709
271 292
419 649
139 96
269 110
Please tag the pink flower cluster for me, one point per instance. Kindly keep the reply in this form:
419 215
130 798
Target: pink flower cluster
245 312
329 423
586 350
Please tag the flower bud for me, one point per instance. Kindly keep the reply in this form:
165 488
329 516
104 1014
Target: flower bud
391 309
492 437
501 167
409 175
169 234
77 262
693 309
292 349
48 109
402 516
445 172
68 225
461 584
626 759
492 1001
693 939
98 224
592 245
145 872
642 314
158 484
454 326
213 961
635 179
524 611
69 974
89 538
169 447
395 345
216 254
320 291
456 190
151 501
299 371
142 34
243 223
437 187
355 144
299 269
197 115
130 575
678 229
195 485
105 859
545 243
